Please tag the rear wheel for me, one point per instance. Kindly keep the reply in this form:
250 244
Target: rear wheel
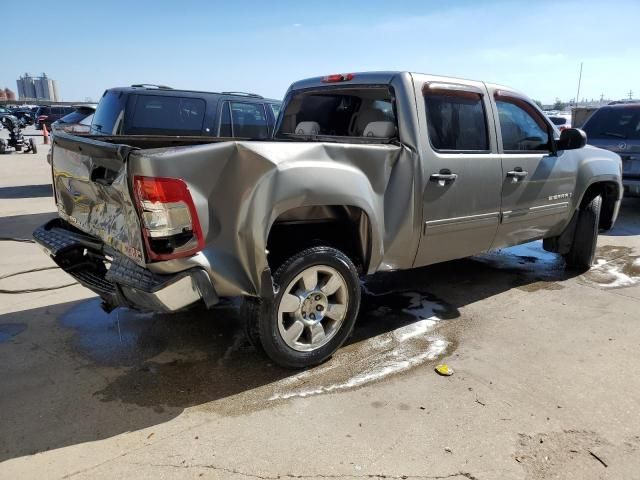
585 237
3 147
34 148
313 311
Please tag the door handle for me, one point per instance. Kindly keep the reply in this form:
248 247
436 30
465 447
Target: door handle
517 174
444 177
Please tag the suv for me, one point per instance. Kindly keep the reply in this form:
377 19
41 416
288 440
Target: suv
49 114
616 127
159 110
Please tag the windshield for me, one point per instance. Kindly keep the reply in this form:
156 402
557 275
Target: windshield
339 112
619 122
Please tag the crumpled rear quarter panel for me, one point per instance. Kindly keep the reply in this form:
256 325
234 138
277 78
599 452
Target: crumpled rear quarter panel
240 189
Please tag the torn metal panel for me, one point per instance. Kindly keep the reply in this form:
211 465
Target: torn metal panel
241 188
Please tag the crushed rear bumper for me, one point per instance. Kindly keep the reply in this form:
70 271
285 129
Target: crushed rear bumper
117 279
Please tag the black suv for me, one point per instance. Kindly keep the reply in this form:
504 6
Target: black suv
159 110
49 114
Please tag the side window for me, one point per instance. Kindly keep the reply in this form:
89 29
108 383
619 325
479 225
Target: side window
456 120
164 115
275 109
225 121
523 129
249 120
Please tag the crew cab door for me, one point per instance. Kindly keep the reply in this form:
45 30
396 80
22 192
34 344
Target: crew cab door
462 176
538 183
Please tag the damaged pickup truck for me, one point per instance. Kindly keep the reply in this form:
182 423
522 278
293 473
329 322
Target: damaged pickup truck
366 172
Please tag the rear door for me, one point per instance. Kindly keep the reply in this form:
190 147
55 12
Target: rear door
538 185
461 170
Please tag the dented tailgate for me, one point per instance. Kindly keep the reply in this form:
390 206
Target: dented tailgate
92 191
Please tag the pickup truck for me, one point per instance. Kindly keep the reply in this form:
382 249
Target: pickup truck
366 172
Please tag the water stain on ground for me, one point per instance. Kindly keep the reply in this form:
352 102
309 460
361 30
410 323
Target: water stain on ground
11 330
614 267
535 268
194 358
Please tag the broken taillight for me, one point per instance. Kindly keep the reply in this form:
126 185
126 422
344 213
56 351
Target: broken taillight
169 218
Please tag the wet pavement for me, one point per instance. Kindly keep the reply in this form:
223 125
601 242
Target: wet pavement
538 351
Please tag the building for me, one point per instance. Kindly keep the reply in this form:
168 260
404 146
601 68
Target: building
37 88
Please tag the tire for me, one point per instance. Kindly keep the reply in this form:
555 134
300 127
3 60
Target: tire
313 311
583 246
34 148
3 147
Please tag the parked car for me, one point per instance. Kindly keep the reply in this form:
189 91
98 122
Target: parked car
367 172
4 112
49 114
160 110
78 121
561 120
617 128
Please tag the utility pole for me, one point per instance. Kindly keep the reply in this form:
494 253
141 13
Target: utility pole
579 81
630 94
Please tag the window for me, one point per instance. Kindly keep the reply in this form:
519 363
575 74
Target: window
523 129
107 113
225 121
164 115
249 120
558 121
275 109
456 120
614 122
339 112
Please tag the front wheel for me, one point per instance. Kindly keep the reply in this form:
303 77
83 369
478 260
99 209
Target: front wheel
313 311
583 247
34 148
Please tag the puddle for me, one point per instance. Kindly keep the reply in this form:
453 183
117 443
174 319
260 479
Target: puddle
411 338
537 268
528 257
614 267
10 330
195 358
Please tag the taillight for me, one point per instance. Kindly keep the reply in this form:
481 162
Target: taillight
42 118
169 218
338 77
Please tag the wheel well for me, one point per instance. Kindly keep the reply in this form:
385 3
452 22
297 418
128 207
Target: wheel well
343 227
609 192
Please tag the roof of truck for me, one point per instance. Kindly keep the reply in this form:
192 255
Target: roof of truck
384 77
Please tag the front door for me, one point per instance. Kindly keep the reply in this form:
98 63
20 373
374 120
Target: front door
462 172
538 184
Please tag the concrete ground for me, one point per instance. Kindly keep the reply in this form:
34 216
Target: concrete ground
546 380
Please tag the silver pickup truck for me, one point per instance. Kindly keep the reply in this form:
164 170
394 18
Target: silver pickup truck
366 172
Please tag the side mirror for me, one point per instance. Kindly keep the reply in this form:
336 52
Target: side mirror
571 138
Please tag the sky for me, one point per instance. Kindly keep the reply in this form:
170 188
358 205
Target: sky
262 47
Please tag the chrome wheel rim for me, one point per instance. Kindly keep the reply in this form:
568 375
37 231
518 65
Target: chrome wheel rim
312 308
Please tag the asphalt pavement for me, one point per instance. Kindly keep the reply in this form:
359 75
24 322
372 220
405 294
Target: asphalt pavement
546 380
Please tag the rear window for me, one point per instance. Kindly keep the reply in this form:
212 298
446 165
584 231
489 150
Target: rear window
620 122
558 121
76 116
349 112
108 116
44 111
164 115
